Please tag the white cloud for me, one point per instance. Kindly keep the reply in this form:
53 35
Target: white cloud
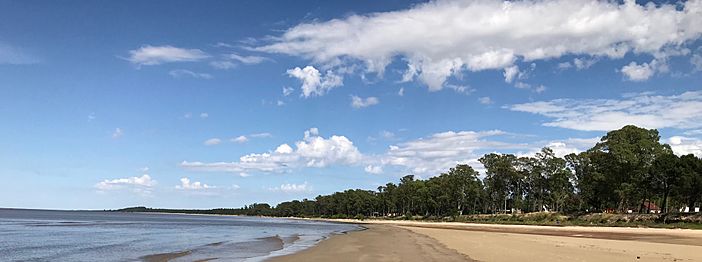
280 103
204 115
401 92
249 60
682 111
284 149
288 91
461 89
522 85
644 71
510 73
244 138
685 145
441 151
188 115
320 152
359 102
313 82
212 141
537 88
584 63
139 184
155 55
293 188
179 73
312 151
185 184
374 169
486 100
240 139
440 39
261 135
563 147
117 133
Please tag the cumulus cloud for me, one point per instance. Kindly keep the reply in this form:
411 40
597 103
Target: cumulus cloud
359 102
682 111
510 73
292 188
313 82
245 138
685 145
240 139
644 71
179 73
440 39
139 184
373 169
212 141
185 184
155 55
312 151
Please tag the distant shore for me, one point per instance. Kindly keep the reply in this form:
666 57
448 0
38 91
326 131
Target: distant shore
387 240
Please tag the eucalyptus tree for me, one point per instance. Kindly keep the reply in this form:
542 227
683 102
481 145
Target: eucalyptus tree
666 173
502 179
625 157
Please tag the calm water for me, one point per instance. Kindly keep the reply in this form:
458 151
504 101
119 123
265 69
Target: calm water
39 235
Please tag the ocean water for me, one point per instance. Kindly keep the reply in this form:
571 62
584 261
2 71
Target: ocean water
41 235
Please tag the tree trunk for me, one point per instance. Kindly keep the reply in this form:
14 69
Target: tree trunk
666 191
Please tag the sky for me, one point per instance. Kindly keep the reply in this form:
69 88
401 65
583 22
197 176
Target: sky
189 104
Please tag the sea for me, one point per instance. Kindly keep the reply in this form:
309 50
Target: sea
47 235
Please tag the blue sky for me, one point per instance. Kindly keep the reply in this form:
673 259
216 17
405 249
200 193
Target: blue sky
220 104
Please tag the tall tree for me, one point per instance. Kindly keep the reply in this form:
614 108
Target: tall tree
625 157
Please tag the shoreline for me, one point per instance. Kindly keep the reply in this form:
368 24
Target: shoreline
495 242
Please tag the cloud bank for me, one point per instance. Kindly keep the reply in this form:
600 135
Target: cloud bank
440 39
682 111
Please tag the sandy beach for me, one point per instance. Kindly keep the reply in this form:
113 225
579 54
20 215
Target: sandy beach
377 243
426 241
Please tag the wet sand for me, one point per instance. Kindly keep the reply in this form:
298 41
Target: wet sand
424 241
377 243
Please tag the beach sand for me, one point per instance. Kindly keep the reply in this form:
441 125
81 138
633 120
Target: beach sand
424 241
377 243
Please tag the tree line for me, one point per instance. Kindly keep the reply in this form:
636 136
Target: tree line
629 170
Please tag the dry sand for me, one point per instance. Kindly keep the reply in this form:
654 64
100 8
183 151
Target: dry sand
424 241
